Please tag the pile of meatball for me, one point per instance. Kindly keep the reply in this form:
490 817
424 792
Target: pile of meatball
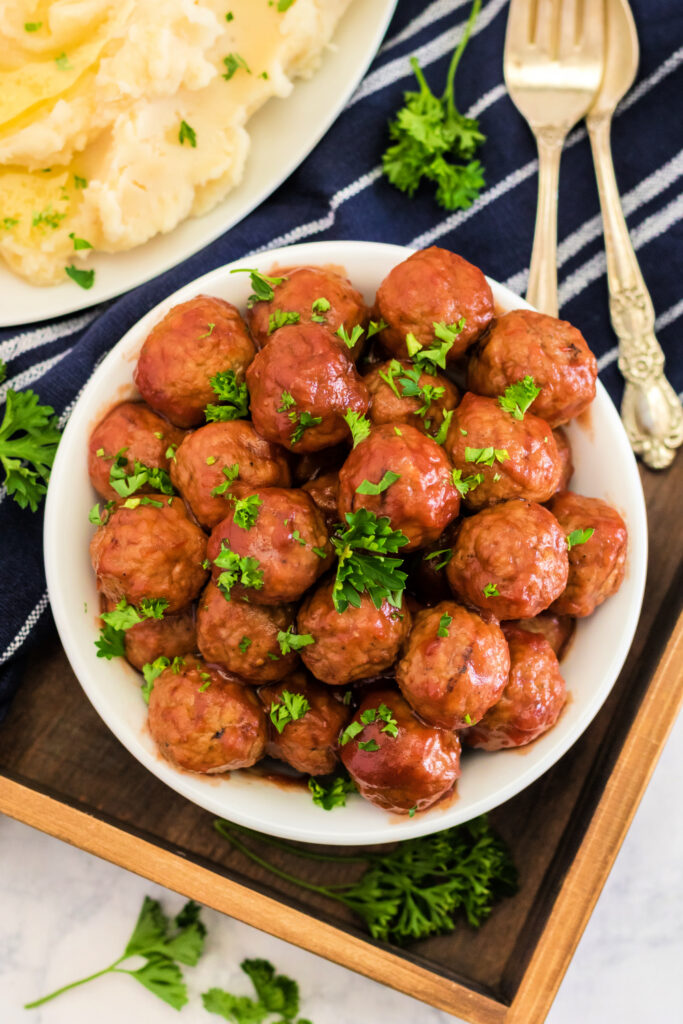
468 653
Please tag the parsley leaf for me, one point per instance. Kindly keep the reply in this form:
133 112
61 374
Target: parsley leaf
518 397
447 554
486 456
233 62
151 672
375 326
126 483
363 566
388 375
262 285
358 424
289 641
79 243
577 537
161 948
351 340
442 432
230 473
280 318
237 569
332 793
244 644
187 134
444 623
318 309
289 707
286 401
421 887
233 395
83 278
491 590
387 480
427 131
276 994
246 511
464 485
29 436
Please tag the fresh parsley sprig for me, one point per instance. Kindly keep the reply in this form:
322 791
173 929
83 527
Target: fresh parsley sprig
289 641
577 537
29 435
261 284
432 140
517 398
233 396
163 946
127 481
246 510
364 566
275 993
329 793
236 569
465 484
420 888
111 641
289 707
389 478
486 456
358 424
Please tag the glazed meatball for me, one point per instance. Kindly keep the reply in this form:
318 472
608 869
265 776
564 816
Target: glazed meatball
309 743
510 560
391 390
597 566
532 700
455 666
354 644
150 551
193 342
433 286
243 637
564 450
288 540
325 493
200 464
309 292
139 434
205 723
169 637
515 458
524 343
411 769
302 387
422 502
557 629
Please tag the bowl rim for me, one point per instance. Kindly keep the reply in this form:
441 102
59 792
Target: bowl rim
332 830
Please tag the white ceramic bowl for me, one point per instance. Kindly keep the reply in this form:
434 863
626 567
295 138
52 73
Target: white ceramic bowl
605 468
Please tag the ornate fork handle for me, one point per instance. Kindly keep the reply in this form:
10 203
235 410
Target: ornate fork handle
650 410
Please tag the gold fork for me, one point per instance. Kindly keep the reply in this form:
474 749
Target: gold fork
553 65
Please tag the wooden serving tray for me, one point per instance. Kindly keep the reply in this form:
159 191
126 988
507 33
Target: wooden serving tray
62 771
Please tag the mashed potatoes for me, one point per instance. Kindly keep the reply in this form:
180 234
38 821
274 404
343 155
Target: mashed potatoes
119 118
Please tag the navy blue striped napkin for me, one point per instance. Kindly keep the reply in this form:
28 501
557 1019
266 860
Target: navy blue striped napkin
339 193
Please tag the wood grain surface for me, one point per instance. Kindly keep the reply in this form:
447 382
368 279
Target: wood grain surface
62 771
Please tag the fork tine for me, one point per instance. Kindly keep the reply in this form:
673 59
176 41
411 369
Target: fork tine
546 25
571 25
591 29
519 25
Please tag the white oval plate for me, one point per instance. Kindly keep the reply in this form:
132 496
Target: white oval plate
290 127
605 468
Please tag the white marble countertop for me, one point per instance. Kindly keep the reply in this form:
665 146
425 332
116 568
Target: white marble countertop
64 914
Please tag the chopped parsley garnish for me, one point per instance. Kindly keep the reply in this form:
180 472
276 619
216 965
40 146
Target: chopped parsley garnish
206 681
29 436
126 482
290 641
518 397
468 719
229 16
230 473
288 708
110 643
332 793
163 945
286 402
369 745
187 134
444 623
318 309
387 480
302 421
9 222
425 393
151 672
364 566
284 5
246 511
80 182
282 317
244 644
83 278
434 355
444 555
419 888
464 485
208 332
486 456
62 62
491 590
233 62
261 284
47 218
237 569
432 140
99 517
448 332
577 537
233 396
351 340
320 552
381 714
375 326
442 432
358 424
79 243
32 26
388 375
298 538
